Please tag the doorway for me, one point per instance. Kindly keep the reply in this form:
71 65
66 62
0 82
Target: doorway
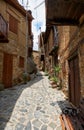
74 81
7 70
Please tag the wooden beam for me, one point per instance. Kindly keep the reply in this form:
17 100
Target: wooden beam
62 21
65 121
69 123
62 123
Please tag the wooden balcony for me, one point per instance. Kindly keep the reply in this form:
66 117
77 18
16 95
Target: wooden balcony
3 30
64 12
54 50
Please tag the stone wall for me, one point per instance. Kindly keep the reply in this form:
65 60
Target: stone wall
81 59
48 48
63 54
66 47
1 66
71 39
17 42
36 58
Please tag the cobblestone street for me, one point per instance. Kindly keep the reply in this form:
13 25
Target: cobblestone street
33 106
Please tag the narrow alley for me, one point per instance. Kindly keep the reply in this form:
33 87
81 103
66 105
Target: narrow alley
31 106
41 64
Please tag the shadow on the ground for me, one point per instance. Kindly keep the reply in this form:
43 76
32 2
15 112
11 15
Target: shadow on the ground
8 99
63 104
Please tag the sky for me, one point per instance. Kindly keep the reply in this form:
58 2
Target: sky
38 12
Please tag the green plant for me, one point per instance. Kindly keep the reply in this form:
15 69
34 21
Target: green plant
25 77
55 79
46 73
56 69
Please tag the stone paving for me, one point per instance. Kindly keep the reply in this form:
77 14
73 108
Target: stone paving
33 106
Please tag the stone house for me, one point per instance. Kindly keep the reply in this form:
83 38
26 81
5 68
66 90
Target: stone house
36 58
51 47
71 46
41 51
70 50
67 51
13 41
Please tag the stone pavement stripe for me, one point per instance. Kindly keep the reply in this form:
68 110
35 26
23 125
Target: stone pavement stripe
52 125
19 127
37 123
28 127
44 127
34 106
36 128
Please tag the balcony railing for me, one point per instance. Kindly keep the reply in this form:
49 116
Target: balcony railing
3 29
55 36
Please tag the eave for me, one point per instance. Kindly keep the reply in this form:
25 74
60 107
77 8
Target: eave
64 12
17 6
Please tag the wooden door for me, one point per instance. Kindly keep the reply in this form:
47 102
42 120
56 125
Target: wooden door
7 70
74 81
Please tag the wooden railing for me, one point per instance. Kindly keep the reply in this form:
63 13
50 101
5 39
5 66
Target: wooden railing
55 36
3 26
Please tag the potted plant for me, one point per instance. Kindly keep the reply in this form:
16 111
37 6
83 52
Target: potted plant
26 77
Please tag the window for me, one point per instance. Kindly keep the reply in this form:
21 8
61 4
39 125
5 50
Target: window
13 24
21 62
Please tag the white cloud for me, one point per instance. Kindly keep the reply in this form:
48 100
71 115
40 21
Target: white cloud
38 12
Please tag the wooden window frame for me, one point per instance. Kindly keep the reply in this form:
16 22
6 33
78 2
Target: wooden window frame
13 24
21 62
